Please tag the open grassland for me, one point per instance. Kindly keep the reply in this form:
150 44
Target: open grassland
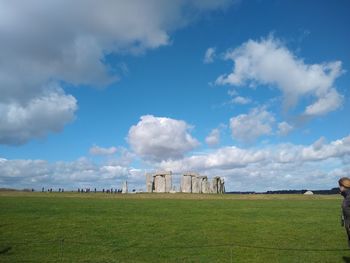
76 227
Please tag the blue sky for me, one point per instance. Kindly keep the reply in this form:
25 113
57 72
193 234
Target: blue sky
254 91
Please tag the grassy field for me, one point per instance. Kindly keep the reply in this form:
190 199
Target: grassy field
74 227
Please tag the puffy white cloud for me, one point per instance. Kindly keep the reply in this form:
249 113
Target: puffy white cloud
337 148
236 99
241 100
284 166
209 55
67 41
49 112
213 138
44 40
97 150
158 138
223 158
284 128
269 62
327 102
248 127
79 173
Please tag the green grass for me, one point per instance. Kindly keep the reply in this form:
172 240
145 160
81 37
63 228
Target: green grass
72 227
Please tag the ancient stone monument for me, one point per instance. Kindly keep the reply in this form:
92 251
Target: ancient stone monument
194 183
160 182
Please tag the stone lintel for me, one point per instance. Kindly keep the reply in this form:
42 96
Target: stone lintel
191 174
162 173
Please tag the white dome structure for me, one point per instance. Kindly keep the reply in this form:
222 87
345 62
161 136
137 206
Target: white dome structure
308 193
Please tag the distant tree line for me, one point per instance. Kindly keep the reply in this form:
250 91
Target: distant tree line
320 192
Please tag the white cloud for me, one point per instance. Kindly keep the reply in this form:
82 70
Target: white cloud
327 102
79 173
232 92
284 128
241 100
234 157
158 138
49 112
284 166
269 62
97 150
209 55
223 158
248 127
213 138
44 42
317 145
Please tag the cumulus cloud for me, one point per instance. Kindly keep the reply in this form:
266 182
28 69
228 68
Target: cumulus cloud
269 62
248 127
49 112
284 128
283 166
213 138
236 99
328 102
159 138
241 100
44 42
235 157
79 173
209 55
223 158
97 150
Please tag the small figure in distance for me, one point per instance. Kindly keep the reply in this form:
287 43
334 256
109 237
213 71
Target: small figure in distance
344 187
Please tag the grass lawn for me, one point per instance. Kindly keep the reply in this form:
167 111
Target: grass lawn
75 227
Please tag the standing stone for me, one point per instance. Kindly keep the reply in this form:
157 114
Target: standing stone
205 185
159 183
219 186
162 182
202 180
125 188
214 185
168 182
186 183
223 186
196 184
149 183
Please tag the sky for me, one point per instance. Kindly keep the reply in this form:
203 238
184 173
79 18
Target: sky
93 93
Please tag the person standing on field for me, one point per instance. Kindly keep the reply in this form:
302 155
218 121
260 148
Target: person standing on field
344 187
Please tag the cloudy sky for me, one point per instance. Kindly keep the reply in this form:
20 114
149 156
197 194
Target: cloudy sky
93 93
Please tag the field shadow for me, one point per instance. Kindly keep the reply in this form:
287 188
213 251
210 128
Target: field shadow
5 250
346 259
